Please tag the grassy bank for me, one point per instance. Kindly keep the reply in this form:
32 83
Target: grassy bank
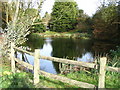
72 34
21 80
112 79
11 80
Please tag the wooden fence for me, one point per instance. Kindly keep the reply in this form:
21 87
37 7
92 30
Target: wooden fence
36 68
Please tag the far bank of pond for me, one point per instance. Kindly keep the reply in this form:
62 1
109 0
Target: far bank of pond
75 49
75 35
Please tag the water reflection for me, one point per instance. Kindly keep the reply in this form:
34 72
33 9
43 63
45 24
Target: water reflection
47 49
81 50
45 65
70 48
87 57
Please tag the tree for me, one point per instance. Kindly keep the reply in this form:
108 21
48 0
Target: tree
18 28
38 26
5 16
105 26
46 17
84 23
64 16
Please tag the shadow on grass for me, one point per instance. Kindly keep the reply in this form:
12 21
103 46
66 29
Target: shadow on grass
51 83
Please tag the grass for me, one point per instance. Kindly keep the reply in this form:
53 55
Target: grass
17 80
112 80
71 34
21 80
83 76
4 66
11 80
51 83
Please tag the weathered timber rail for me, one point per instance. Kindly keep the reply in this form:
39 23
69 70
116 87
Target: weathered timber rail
37 71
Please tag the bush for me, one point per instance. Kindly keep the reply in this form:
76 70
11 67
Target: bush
38 27
115 57
64 16
17 80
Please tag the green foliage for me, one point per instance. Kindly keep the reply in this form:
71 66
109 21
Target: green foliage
36 39
18 33
85 25
46 17
110 13
37 27
116 52
63 17
115 57
18 29
52 83
17 80
106 23
31 12
4 13
111 80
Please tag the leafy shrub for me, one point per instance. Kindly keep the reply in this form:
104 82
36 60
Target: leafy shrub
17 80
38 27
115 55
115 52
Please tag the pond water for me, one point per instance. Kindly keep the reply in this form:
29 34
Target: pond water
75 49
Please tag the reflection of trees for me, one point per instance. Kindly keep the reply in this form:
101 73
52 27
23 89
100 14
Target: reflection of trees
56 66
83 46
34 42
63 47
70 47
103 47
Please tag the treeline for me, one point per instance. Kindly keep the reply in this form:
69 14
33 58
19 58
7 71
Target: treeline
66 16
107 22
104 25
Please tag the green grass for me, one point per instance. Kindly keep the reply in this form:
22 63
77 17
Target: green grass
10 80
111 81
71 34
50 32
4 65
17 80
21 80
51 83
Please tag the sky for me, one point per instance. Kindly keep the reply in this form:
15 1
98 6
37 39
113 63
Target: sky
89 6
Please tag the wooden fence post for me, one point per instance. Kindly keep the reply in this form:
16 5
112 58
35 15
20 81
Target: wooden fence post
12 58
102 72
36 66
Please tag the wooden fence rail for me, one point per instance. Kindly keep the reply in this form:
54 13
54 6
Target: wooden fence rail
85 64
37 71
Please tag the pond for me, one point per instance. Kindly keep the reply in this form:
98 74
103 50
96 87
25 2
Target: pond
75 49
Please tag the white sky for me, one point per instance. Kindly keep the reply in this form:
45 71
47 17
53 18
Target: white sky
89 6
